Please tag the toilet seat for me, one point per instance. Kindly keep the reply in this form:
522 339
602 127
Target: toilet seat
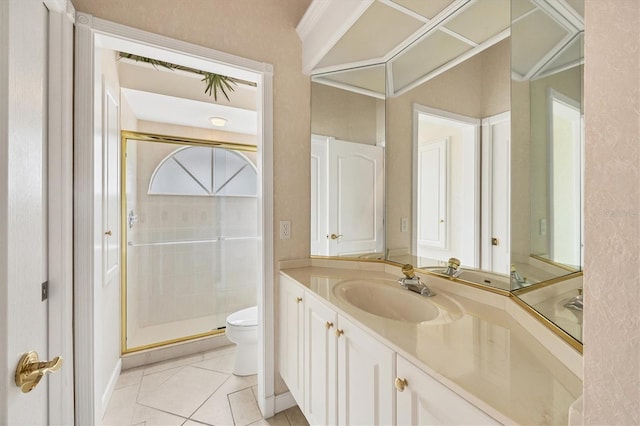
244 318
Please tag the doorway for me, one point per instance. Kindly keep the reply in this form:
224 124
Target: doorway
446 186
96 375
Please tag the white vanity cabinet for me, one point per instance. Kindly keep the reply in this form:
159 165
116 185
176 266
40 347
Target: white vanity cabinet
291 328
366 370
422 400
320 375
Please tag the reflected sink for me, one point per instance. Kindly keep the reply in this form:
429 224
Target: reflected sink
388 300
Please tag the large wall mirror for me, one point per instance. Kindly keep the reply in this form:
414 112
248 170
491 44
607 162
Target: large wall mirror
475 109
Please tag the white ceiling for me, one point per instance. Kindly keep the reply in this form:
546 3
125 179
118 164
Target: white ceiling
420 39
178 97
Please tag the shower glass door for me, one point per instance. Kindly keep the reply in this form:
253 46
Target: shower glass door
190 237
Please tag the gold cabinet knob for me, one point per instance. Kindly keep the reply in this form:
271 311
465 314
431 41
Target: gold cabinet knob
329 325
298 299
108 233
30 370
401 384
339 332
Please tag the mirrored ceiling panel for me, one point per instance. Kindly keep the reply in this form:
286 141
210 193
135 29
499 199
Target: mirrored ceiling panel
428 9
481 20
424 57
378 31
366 81
571 55
532 47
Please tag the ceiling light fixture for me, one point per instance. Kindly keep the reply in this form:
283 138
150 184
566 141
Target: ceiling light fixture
218 121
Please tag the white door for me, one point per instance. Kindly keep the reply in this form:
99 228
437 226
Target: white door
355 198
25 225
320 360
366 368
496 193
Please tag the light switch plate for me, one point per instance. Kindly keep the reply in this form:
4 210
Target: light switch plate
404 224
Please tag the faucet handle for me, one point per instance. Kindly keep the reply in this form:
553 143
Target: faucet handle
407 270
453 263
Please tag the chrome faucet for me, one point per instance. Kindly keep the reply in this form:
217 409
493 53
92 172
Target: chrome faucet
412 282
453 268
516 279
576 302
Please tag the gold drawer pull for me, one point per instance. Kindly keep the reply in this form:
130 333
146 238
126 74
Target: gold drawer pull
401 384
298 299
329 325
339 332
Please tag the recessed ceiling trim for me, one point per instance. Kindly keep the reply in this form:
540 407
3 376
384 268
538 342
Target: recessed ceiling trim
566 22
333 20
556 70
404 10
348 87
458 60
525 15
562 10
550 55
436 23
458 36
349 65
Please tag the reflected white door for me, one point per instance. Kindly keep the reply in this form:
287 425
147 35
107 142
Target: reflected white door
496 193
355 198
432 192
347 197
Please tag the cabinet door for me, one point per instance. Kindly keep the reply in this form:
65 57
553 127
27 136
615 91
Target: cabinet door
366 367
425 401
320 399
292 337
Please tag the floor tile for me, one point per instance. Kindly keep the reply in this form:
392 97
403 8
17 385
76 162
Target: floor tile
129 378
244 407
167 365
194 423
150 416
222 363
216 410
295 416
225 350
279 419
120 408
151 382
184 391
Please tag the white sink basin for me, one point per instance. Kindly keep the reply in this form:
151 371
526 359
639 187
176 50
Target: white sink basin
388 300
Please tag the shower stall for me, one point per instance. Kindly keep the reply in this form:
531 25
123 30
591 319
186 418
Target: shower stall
190 237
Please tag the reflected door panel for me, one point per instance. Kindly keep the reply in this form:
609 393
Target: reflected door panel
432 195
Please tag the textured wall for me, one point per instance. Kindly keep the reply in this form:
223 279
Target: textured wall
612 194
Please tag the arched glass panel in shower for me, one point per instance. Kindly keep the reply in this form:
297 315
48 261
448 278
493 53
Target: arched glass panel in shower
191 232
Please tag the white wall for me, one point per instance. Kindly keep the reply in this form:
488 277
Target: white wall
612 213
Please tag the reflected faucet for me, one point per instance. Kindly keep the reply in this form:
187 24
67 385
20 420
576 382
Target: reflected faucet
575 302
412 282
516 279
453 268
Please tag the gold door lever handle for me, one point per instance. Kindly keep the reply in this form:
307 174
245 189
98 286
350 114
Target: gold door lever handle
30 370
334 236
108 233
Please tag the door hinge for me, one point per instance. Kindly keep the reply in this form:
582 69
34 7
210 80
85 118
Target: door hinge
45 290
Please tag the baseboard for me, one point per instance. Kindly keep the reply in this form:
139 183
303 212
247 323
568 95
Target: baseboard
284 401
106 396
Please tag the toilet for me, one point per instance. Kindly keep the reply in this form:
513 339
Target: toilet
242 329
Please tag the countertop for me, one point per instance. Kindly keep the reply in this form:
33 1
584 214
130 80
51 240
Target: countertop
485 356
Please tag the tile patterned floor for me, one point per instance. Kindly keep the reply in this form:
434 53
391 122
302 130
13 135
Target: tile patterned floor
193 391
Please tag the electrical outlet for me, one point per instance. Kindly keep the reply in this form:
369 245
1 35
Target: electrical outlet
404 224
285 229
